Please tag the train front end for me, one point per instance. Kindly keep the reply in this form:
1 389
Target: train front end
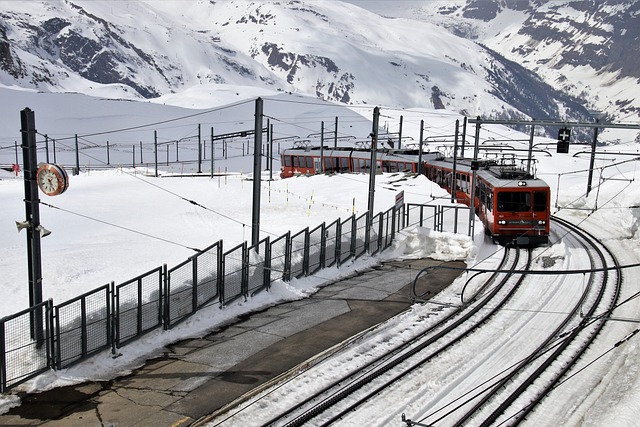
521 213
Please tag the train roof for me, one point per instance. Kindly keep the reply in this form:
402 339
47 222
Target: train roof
495 172
358 152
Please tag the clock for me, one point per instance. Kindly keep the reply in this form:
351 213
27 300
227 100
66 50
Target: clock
52 179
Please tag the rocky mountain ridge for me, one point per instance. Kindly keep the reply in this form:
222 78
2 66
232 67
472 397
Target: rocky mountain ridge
588 49
332 50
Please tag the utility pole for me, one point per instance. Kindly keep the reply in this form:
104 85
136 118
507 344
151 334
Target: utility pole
32 210
420 169
593 156
372 171
199 150
474 175
400 133
77 170
322 147
257 160
454 181
533 128
464 136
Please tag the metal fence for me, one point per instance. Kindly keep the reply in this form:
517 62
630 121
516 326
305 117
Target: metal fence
113 315
453 219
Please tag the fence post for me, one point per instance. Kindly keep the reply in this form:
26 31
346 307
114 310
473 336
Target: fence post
245 271
166 321
50 334
393 223
323 245
352 249
286 274
367 232
220 273
380 227
338 243
455 220
305 253
267 264
57 350
114 317
83 325
3 361
194 277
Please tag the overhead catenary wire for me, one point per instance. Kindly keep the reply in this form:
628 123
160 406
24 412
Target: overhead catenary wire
119 226
147 125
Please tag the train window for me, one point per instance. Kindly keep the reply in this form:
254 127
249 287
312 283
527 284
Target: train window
540 201
344 164
329 164
511 201
296 162
309 162
287 161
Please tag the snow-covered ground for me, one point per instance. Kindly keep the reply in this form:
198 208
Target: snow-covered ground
114 224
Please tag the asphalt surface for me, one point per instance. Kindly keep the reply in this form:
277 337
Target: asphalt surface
198 377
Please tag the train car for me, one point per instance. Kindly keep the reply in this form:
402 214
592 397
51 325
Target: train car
310 160
512 204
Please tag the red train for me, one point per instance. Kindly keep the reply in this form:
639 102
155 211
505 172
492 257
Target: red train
512 204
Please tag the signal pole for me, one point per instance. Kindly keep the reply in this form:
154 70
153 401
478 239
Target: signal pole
593 157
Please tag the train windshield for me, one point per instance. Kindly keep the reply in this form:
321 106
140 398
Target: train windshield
540 201
512 201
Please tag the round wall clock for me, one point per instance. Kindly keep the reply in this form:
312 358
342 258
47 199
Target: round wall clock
52 179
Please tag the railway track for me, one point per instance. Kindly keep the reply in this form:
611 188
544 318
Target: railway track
529 381
433 373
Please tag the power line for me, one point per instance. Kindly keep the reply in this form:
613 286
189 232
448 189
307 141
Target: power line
126 129
119 226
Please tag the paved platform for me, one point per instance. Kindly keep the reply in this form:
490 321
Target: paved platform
197 377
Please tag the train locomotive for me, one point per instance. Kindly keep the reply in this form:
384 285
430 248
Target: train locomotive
513 205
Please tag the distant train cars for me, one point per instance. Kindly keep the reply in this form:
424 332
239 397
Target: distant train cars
308 160
512 204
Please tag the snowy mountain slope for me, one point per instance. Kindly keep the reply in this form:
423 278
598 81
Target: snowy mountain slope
588 49
332 50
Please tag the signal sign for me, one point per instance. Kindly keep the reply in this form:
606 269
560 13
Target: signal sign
564 134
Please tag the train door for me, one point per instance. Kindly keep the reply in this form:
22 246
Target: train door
317 165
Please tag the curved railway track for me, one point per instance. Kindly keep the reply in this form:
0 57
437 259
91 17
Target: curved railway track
558 353
502 397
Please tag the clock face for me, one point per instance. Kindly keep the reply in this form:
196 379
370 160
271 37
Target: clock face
52 179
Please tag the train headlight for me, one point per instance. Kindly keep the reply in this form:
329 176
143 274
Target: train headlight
542 222
502 222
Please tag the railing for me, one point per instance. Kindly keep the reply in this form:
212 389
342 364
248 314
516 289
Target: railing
454 219
115 315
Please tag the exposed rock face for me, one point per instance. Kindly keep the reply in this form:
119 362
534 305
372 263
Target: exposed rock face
265 44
